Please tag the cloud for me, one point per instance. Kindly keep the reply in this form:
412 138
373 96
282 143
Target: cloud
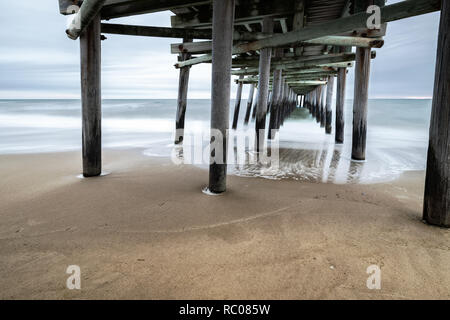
37 60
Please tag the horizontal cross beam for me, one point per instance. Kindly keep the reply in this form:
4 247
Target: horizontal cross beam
205 46
179 33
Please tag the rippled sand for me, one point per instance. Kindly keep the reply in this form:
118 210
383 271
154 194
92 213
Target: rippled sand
147 231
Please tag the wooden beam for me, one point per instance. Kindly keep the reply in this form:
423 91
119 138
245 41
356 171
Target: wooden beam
88 11
179 33
285 63
348 41
145 31
298 22
309 70
205 46
436 206
135 7
397 11
91 98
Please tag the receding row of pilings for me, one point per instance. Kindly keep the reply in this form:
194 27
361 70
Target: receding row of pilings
319 103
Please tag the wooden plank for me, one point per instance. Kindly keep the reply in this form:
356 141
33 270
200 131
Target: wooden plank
181 33
345 41
145 31
360 103
91 98
223 16
205 46
436 208
254 71
194 47
136 7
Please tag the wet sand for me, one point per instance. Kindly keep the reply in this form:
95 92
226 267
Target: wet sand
147 232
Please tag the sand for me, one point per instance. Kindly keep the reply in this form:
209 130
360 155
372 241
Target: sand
146 231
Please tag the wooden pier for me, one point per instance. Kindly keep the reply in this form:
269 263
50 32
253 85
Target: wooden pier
289 53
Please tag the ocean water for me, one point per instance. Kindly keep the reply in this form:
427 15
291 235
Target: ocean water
397 136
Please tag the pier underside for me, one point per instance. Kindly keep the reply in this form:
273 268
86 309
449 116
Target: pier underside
288 51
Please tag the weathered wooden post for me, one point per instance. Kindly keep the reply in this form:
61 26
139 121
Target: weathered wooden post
91 98
340 102
183 83
329 112
361 98
316 102
255 105
319 103
436 208
308 98
237 105
276 88
222 42
285 108
263 87
322 107
249 103
282 102
269 101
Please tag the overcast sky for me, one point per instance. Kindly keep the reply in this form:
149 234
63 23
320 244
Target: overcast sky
37 60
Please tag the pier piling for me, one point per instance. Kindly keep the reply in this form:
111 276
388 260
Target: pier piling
360 103
340 102
237 105
329 112
276 88
251 93
183 84
223 19
91 99
436 208
263 87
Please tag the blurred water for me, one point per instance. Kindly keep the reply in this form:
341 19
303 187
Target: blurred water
397 135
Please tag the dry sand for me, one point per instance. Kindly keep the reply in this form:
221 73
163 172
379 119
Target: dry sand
146 231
